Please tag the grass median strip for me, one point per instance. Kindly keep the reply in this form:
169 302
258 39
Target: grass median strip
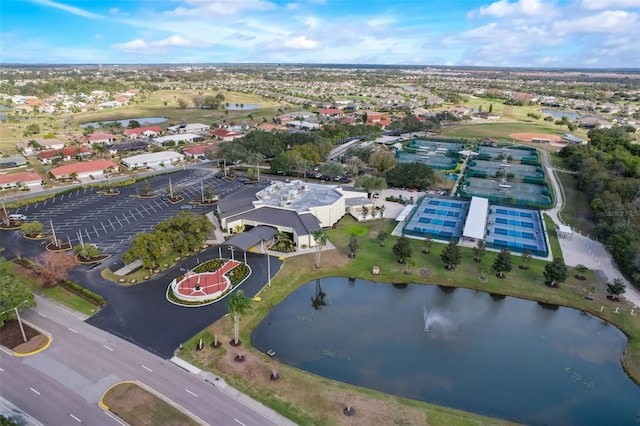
139 407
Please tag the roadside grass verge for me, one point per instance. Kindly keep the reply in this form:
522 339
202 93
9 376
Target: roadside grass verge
576 209
58 293
139 407
291 395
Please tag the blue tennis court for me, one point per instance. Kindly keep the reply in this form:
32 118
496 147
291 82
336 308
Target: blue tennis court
441 217
516 229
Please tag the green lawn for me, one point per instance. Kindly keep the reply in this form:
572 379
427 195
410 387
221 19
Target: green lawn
57 294
497 130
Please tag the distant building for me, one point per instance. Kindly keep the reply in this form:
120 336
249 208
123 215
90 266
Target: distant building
12 161
569 138
46 144
177 138
146 131
65 154
189 128
225 135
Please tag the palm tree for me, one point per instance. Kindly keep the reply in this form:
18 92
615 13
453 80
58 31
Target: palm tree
237 305
320 238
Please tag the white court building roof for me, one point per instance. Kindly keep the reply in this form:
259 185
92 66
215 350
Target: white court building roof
404 213
476 223
152 159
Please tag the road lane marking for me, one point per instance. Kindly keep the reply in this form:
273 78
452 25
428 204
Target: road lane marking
34 391
188 391
75 418
73 330
41 314
107 347
239 422
147 368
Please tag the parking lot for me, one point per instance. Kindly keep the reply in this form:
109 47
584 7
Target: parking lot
112 221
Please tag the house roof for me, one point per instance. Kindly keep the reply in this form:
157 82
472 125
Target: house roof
162 156
476 224
140 130
43 142
224 133
330 111
99 136
64 152
20 177
199 150
83 167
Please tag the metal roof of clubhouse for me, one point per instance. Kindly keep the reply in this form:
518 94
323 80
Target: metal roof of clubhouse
297 195
476 223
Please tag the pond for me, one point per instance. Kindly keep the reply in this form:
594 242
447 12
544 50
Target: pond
556 113
497 356
144 121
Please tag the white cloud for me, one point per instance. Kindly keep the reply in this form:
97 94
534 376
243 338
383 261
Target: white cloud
505 8
174 40
311 22
71 9
609 4
615 21
207 8
292 6
300 42
132 46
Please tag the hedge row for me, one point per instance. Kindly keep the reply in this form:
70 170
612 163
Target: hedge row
85 293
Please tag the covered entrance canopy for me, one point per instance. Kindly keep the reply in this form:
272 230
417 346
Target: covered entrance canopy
565 231
245 240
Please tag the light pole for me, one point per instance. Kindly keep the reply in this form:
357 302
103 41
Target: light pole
268 263
24 336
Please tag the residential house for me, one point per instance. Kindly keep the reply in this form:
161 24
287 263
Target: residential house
20 180
268 127
330 113
12 161
101 137
128 146
176 139
145 131
189 128
198 151
65 154
46 144
225 135
84 169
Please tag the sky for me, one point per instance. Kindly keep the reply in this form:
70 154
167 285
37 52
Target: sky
503 33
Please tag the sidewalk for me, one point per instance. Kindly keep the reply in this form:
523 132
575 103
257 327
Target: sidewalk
580 249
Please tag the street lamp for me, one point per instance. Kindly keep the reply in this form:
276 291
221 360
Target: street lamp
24 336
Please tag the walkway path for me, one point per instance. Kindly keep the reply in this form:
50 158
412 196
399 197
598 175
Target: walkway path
580 249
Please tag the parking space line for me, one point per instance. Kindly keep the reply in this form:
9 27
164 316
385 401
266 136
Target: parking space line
112 227
116 217
87 232
125 218
105 229
151 207
132 216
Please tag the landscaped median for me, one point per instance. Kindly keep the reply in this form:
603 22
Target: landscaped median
139 405
308 399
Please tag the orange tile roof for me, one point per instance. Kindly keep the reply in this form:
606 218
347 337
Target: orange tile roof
19 177
83 167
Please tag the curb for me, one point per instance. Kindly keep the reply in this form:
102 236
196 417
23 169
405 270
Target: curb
48 336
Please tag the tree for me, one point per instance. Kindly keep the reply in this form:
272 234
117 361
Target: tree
382 160
556 272
86 251
427 243
320 238
408 175
451 255
237 305
332 169
382 236
353 245
99 149
370 183
182 104
402 249
55 266
616 288
526 257
148 248
502 263
146 187
365 212
208 193
12 294
479 251
581 270
134 124
32 229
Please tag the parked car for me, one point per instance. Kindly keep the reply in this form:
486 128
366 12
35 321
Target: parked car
186 207
17 216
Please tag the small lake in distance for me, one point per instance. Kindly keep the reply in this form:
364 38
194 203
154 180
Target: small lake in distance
144 121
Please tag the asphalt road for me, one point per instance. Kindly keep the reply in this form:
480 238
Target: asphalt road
63 384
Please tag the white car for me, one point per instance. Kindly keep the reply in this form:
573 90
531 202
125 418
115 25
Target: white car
376 195
17 216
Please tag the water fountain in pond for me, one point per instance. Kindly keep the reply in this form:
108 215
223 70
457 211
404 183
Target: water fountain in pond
433 317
